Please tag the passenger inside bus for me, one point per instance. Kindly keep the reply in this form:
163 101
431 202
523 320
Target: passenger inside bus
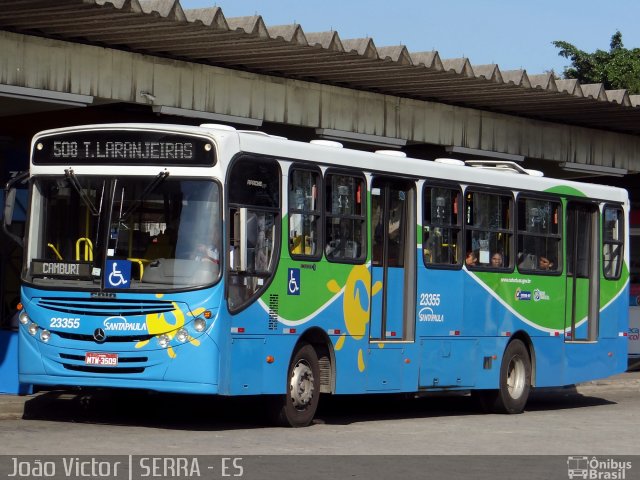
530 261
472 259
545 263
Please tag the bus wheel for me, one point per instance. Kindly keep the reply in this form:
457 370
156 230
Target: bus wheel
299 405
515 382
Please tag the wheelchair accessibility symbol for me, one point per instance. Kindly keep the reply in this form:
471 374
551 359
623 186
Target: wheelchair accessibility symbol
118 274
294 281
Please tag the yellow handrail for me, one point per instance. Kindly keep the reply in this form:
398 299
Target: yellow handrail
55 250
88 249
140 262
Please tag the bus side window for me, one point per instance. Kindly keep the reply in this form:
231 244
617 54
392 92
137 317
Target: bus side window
489 229
345 218
304 212
539 235
441 226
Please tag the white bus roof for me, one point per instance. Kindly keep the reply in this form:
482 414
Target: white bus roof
326 153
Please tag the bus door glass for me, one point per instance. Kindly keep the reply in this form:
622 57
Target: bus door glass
582 272
393 259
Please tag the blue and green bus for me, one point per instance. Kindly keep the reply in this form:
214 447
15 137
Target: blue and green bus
208 260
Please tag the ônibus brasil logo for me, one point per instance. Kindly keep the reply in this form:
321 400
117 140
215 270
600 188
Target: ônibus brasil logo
597 469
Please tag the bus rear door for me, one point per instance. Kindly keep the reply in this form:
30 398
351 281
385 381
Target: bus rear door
393 243
582 272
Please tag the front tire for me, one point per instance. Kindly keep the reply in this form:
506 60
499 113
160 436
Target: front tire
298 406
515 382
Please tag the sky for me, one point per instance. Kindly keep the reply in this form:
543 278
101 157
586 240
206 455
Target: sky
515 34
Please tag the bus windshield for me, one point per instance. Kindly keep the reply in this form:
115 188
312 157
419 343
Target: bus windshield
166 231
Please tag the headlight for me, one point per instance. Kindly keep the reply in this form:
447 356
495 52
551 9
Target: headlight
33 328
163 340
199 324
23 317
45 335
182 335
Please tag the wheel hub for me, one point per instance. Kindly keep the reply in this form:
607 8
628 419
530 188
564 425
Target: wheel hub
516 377
301 386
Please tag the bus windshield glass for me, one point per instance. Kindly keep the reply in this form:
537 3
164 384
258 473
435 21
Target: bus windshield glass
166 231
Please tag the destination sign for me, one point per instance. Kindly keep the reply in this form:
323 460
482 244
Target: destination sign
123 147
55 269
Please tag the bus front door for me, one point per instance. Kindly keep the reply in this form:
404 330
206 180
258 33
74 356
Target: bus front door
393 262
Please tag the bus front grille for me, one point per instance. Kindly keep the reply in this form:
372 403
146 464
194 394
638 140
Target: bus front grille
105 307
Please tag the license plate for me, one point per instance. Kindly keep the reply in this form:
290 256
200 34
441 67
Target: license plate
101 359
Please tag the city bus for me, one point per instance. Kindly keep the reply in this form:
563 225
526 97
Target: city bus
210 260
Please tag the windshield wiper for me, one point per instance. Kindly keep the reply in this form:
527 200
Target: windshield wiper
73 180
161 177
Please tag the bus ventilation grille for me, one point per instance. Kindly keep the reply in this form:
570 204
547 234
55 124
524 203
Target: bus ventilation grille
110 338
105 307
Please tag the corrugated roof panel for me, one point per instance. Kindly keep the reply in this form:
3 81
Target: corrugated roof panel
517 77
327 40
289 33
571 86
398 54
594 90
166 8
163 27
362 46
489 72
618 96
428 59
253 25
545 81
461 66
211 17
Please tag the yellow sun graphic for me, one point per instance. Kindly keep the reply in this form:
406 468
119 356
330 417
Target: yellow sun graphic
157 324
356 305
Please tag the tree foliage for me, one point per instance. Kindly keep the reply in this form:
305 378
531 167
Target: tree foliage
619 68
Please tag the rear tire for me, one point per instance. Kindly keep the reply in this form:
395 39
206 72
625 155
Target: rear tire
515 382
298 406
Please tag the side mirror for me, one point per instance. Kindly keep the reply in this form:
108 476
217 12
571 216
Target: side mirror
9 204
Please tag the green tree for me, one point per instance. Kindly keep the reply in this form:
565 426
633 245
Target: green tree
617 69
